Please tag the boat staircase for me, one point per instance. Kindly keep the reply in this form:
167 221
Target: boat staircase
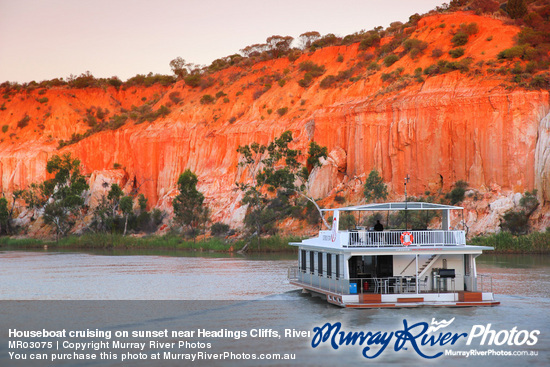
422 270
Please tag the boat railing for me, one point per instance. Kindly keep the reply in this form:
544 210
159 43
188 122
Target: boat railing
405 285
293 272
387 285
484 283
333 284
411 238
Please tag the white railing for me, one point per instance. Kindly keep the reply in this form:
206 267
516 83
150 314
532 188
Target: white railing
333 284
383 285
484 283
293 273
392 285
395 238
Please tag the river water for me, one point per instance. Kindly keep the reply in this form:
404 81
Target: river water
83 276
154 291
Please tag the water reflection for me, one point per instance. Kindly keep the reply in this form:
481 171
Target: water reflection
521 275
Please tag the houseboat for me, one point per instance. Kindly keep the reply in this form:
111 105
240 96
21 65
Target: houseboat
393 268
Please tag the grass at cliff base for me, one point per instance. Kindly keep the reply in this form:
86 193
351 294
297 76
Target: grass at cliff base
168 242
507 243
504 242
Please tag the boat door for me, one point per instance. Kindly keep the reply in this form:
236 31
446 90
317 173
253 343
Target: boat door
361 269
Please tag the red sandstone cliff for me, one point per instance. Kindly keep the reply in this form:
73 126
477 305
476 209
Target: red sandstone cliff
455 126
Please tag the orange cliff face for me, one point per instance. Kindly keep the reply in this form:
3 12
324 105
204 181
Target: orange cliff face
449 127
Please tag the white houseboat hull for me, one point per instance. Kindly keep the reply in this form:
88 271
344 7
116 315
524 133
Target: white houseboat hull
458 299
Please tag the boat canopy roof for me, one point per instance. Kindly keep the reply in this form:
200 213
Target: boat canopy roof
396 206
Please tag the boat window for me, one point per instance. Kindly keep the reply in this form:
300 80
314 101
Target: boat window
312 262
368 265
320 263
303 260
337 266
384 266
329 265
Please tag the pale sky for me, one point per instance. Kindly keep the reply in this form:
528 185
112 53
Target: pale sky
46 39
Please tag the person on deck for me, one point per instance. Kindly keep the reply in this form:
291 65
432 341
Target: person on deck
378 226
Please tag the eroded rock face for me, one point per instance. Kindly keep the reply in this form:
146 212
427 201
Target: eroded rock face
100 183
450 127
438 137
542 159
325 177
338 156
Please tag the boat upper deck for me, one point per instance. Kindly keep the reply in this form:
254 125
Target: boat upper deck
361 238
391 238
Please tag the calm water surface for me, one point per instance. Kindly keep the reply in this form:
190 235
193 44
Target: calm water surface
260 297
43 275
83 276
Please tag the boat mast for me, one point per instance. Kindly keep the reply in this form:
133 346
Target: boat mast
406 181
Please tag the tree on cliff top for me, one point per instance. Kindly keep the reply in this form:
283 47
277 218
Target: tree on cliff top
188 204
279 179
278 45
179 67
307 38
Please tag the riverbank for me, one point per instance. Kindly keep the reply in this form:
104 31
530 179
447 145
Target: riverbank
507 243
503 243
168 242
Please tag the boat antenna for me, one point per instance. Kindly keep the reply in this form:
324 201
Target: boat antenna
406 181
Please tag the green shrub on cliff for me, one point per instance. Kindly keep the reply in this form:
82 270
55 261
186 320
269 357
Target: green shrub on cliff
516 8
219 229
23 122
512 53
375 188
457 193
515 222
414 47
390 60
312 70
459 39
372 39
282 111
193 80
207 99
